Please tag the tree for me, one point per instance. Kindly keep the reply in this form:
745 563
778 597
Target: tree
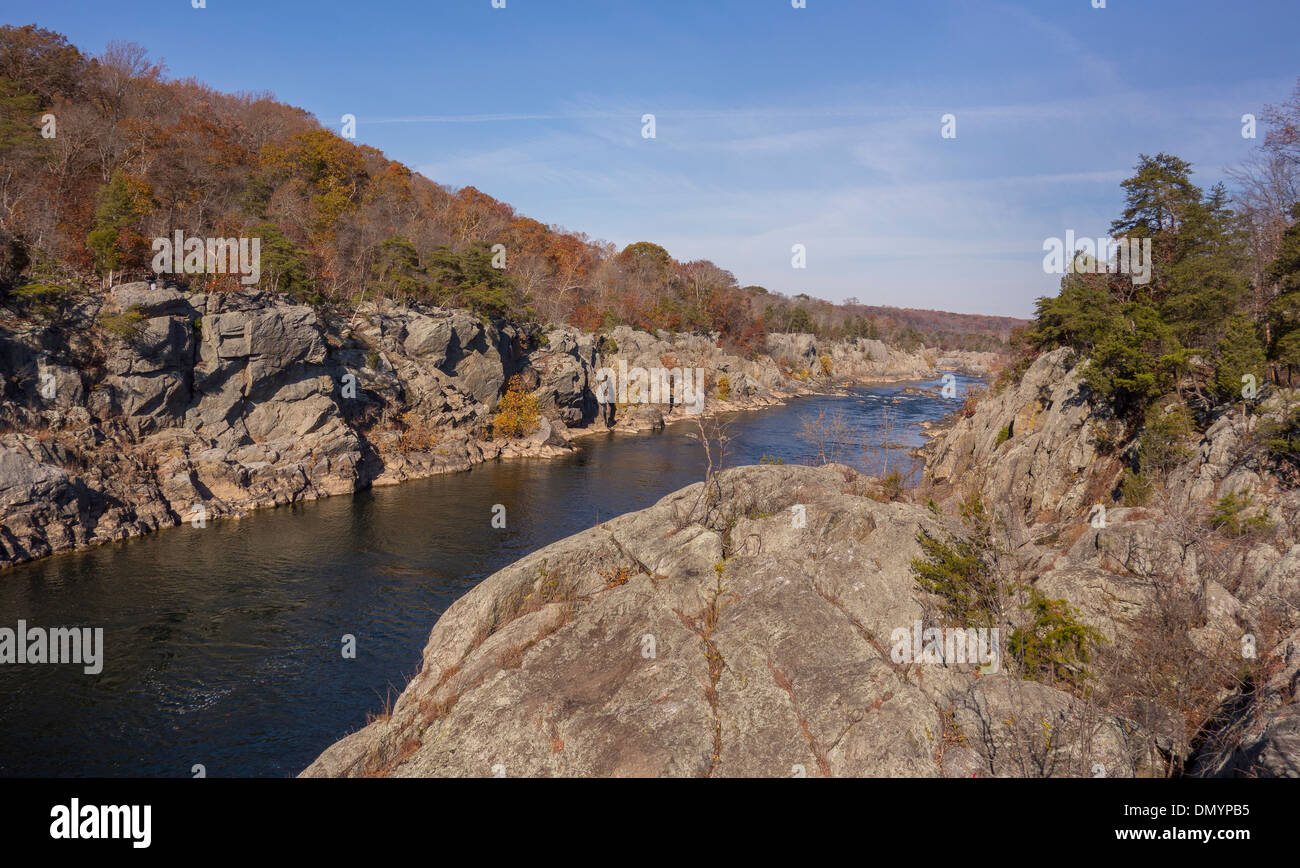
1207 273
646 256
1157 197
116 244
41 62
1240 355
800 320
1284 312
1284 122
397 271
1136 360
470 280
1080 317
18 109
284 265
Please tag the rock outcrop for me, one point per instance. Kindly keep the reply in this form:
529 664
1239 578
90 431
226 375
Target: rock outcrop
1038 449
743 645
1260 738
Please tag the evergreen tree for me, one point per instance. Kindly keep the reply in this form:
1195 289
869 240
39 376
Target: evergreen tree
1284 312
118 206
1207 273
1240 355
397 271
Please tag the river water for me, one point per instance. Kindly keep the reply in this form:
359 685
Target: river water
222 645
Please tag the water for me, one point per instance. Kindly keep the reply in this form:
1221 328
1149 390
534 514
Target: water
222 644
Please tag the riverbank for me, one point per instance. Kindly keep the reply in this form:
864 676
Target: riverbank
149 408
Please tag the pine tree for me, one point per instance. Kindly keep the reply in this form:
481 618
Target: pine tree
1240 356
1284 312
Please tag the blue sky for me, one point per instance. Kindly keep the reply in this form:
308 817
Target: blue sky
775 125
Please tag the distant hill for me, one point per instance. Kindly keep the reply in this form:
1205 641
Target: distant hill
940 320
103 158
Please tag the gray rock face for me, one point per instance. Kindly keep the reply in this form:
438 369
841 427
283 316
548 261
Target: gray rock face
150 382
234 401
453 360
260 377
33 499
565 372
1032 449
161 301
46 509
636 649
1032 446
24 480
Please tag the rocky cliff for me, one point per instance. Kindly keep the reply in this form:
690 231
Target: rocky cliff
147 407
750 629
1225 590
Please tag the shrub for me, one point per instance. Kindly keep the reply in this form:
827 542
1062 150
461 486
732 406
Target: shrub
1054 646
1012 374
827 368
1282 436
1161 444
1136 488
1003 436
518 412
127 326
1240 354
1229 515
892 486
1108 436
723 387
1160 447
44 299
958 571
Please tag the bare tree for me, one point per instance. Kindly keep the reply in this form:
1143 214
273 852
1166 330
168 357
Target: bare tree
713 435
829 434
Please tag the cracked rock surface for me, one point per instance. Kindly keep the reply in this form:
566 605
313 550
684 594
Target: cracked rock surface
635 649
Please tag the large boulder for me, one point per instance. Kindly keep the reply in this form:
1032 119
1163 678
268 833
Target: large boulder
654 645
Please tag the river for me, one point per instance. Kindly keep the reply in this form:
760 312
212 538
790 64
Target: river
222 644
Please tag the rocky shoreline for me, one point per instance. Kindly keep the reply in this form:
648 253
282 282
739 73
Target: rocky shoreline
148 407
